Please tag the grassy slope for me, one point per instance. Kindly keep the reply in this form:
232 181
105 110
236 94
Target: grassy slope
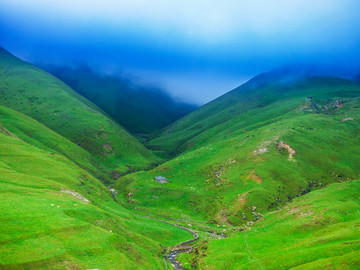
222 175
44 228
41 96
34 133
259 92
140 110
320 230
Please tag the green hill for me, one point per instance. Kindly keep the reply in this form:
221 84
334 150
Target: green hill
243 157
258 146
41 96
273 164
141 110
258 93
56 215
317 231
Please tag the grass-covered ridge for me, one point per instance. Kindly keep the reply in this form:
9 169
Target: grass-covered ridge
241 103
57 215
36 93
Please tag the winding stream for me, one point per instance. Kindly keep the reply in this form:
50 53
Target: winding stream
183 246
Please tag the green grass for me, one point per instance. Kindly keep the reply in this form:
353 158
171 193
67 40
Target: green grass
43 97
320 230
215 120
229 171
44 228
220 177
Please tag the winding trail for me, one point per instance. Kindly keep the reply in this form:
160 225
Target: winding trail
250 255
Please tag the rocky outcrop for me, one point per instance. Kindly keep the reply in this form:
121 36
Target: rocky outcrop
113 191
260 151
291 151
75 194
161 179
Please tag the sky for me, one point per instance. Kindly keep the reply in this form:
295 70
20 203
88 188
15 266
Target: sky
196 50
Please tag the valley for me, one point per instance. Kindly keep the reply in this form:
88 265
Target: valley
263 177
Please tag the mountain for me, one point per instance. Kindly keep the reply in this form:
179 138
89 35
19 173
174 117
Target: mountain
141 110
261 91
273 164
274 138
57 215
271 168
36 93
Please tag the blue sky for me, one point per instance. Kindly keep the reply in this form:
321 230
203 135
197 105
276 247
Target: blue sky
196 50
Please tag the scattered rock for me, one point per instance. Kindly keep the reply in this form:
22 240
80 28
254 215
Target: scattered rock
113 191
305 213
161 179
347 119
260 151
288 148
77 195
108 149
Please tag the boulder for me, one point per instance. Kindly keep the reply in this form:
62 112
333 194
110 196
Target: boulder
347 119
161 179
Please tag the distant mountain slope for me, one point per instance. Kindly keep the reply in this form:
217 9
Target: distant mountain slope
261 91
257 146
45 98
139 109
57 215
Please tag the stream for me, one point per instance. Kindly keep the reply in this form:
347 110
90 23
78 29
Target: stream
183 246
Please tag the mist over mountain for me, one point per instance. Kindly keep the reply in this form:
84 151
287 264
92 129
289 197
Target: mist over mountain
140 109
198 51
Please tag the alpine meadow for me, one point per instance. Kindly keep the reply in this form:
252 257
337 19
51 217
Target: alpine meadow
120 147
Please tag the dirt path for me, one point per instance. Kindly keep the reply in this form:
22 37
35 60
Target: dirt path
250 256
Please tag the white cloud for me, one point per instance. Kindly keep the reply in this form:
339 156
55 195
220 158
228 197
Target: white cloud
206 20
175 42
